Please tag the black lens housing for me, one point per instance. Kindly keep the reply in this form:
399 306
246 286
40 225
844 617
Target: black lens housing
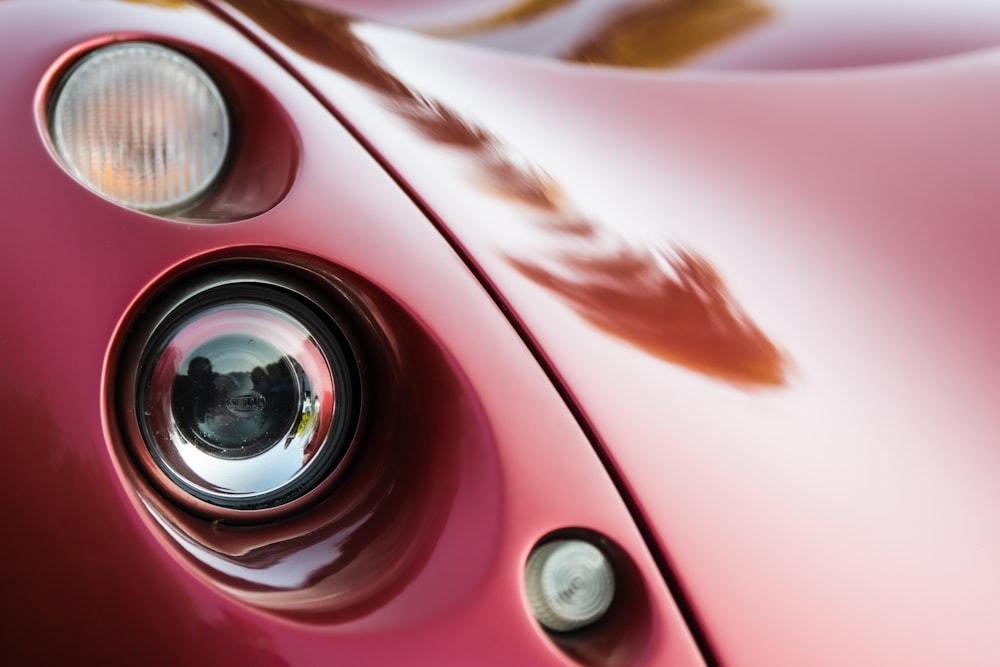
242 391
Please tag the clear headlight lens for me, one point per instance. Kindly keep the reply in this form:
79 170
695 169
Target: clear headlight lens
242 396
569 584
142 125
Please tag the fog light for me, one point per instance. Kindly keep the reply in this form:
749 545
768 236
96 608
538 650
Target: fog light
142 125
243 397
569 584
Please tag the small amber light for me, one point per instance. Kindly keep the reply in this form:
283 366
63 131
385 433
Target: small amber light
141 125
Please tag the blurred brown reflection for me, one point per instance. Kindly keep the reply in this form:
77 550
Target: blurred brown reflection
525 11
624 33
662 33
328 38
669 302
165 4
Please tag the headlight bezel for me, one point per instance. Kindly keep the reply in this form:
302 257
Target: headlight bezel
284 288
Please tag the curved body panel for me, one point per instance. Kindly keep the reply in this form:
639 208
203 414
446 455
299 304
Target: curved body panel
770 295
734 323
467 455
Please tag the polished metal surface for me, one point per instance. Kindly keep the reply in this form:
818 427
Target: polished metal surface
238 397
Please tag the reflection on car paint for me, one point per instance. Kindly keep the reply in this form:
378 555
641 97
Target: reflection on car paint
360 546
667 301
668 32
517 14
625 33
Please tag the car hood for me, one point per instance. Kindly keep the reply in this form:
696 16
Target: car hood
769 296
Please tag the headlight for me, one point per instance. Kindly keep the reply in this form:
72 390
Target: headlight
243 397
142 125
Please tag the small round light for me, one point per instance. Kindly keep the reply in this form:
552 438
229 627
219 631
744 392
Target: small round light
142 125
569 584
242 397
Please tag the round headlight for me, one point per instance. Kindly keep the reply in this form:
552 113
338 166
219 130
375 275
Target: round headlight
243 396
142 125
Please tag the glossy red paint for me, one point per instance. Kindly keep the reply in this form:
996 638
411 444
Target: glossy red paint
841 515
417 559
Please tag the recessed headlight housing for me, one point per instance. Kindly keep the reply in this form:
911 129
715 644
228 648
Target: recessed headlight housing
241 397
142 125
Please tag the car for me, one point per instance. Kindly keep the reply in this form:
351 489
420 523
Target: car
545 333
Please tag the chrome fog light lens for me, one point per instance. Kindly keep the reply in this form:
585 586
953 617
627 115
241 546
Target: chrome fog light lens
569 584
243 397
142 125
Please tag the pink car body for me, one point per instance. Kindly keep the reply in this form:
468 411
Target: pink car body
736 320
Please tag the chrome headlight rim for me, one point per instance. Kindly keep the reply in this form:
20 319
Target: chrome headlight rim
274 290
92 55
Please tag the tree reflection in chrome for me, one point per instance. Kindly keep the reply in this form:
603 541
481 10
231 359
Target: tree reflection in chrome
244 409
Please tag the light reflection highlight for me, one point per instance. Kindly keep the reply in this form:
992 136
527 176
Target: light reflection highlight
669 302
